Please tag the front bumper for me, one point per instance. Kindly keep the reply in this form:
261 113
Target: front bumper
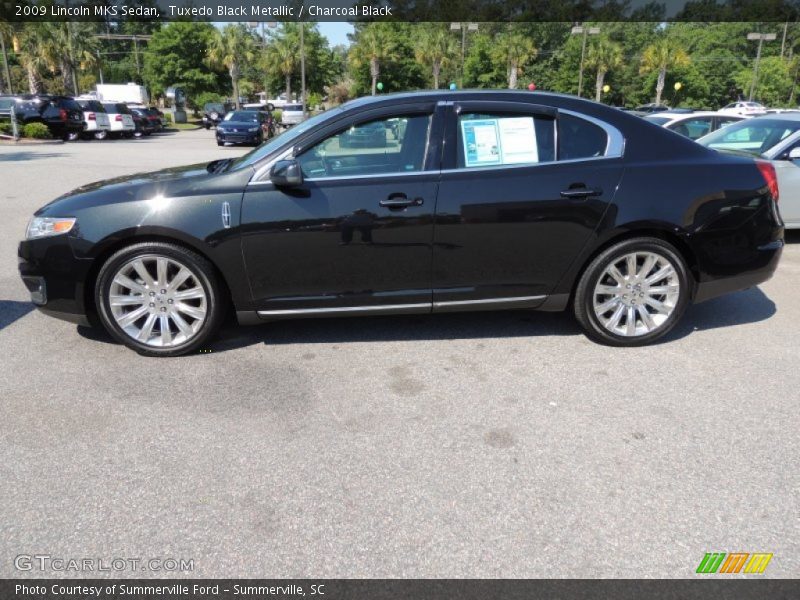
55 278
238 137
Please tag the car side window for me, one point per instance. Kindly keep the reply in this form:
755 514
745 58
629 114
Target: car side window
693 128
579 138
496 139
389 145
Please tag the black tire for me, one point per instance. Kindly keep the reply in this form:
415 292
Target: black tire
220 143
583 304
205 276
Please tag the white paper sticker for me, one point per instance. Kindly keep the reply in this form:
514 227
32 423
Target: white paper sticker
508 140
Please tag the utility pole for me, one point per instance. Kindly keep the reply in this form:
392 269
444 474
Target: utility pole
303 69
5 64
761 37
585 32
464 27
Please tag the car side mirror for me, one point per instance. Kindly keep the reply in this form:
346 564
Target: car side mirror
286 173
794 154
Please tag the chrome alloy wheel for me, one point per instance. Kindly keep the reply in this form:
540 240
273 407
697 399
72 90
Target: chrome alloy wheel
636 294
158 301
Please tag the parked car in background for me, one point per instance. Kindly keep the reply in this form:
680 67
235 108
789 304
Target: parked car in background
95 119
652 107
744 109
291 114
61 114
241 127
775 138
156 117
213 113
369 135
120 119
492 200
692 124
144 125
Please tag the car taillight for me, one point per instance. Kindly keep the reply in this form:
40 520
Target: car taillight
62 114
770 177
91 117
118 117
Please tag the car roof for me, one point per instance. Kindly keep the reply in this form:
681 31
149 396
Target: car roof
689 115
793 116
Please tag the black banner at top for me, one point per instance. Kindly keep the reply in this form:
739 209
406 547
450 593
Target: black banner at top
401 10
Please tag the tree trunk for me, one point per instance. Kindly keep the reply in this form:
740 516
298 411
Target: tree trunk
374 71
662 76
67 77
512 77
288 77
33 80
601 76
5 64
437 69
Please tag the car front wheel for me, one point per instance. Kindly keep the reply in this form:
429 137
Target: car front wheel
159 299
633 293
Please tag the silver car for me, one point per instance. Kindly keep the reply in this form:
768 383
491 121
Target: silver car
775 138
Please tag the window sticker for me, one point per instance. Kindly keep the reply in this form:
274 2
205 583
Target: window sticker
504 141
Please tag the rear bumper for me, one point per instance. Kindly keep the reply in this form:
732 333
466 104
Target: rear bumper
769 255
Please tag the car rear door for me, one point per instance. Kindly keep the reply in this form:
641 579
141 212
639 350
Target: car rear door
356 235
522 189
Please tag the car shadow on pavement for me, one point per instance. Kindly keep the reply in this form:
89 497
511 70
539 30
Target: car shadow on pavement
27 155
11 311
792 236
739 308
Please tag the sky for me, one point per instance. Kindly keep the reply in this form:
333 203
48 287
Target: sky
336 32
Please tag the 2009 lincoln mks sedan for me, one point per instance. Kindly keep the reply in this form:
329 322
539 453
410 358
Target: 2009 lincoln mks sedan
477 201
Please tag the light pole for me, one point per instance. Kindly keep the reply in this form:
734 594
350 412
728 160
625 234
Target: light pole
585 32
761 37
464 27
303 68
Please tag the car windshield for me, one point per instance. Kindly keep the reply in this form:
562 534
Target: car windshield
241 115
282 139
657 120
755 136
214 107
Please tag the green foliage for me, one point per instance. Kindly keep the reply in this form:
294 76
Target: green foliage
176 55
37 131
204 98
774 83
167 118
5 127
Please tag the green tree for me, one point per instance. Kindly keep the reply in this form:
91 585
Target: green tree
282 58
230 48
774 83
515 50
6 35
435 48
176 55
374 45
661 56
67 47
30 43
603 56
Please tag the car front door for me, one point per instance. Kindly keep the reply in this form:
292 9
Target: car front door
356 235
522 189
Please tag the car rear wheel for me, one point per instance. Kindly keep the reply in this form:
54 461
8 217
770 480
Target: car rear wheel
633 293
159 299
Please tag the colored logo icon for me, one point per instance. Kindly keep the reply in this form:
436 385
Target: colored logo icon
734 562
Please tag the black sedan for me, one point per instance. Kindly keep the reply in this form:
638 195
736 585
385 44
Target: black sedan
489 200
241 127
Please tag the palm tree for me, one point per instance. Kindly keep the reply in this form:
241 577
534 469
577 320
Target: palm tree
66 47
29 44
662 55
6 33
436 48
230 48
374 45
515 50
603 56
282 57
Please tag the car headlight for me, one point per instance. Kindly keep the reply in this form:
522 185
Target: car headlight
253 129
40 227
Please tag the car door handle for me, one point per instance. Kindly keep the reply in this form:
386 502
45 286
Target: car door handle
577 193
397 201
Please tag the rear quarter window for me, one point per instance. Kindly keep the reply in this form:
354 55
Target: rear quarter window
579 138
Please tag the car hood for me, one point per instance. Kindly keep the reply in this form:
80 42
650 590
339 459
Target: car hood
189 180
238 124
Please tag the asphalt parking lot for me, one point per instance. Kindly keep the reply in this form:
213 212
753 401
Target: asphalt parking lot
463 445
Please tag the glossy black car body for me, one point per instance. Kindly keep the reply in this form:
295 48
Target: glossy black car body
430 236
62 115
